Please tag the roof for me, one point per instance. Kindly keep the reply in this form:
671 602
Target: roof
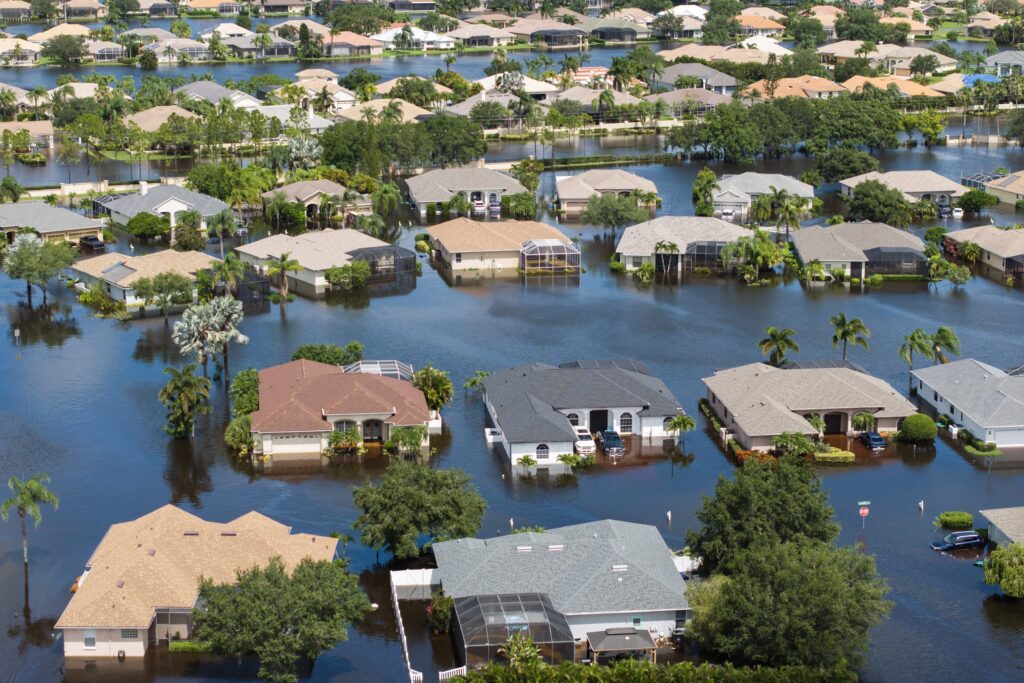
464 107
591 24
324 74
620 640
314 26
907 87
713 77
464 235
124 271
296 397
758 22
1013 182
316 251
530 85
1008 57
304 190
1009 520
801 86
912 24
349 38
480 30
989 396
44 218
909 182
35 128
527 27
765 44
283 113
528 399
150 32
766 401
410 112
385 87
132 204
156 561
713 53
442 184
593 568
588 96
151 119
1003 243
681 95
598 181
60 30
851 241
640 239
766 12
751 184
214 92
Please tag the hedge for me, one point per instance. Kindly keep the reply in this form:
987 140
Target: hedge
189 646
835 456
955 519
709 413
630 671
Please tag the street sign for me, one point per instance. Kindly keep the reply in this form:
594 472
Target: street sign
865 511
864 503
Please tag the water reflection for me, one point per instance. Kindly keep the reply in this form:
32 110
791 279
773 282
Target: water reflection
156 344
51 325
188 472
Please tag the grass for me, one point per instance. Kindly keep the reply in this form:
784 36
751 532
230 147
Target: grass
121 155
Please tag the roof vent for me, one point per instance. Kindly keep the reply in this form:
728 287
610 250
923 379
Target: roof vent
191 532
120 583
152 552
620 567
229 533
524 548
555 547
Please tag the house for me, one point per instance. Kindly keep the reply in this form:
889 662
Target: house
39 132
384 88
574 191
560 14
915 29
224 8
80 91
804 87
538 90
754 25
157 8
409 112
916 186
104 50
589 98
756 402
310 193
1009 188
612 30
736 193
984 400
418 39
174 50
1005 525
708 78
633 15
19 52
462 244
688 27
15 11
311 122
147 35
1006 63
321 250
248 47
224 31
349 44
482 35
290 29
677 244
77 30
437 187
150 120
50 222
590 75
141 583
685 101
828 15
213 93
338 98
552 34
1001 250
889 57
765 44
535 408
162 200
84 9
984 24
303 402
317 74
118 273
493 18
715 53
692 11
582 583
862 249
465 107
905 86
282 7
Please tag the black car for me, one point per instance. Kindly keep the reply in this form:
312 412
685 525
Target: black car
92 243
959 540
945 212
611 443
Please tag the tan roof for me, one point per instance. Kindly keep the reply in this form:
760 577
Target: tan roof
59 30
385 87
906 87
1002 243
766 12
410 112
490 16
758 22
209 4
316 73
909 182
599 181
800 86
9 44
33 127
315 251
350 38
151 119
314 26
156 561
715 53
1010 183
952 83
463 235
914 25
123 270
295 397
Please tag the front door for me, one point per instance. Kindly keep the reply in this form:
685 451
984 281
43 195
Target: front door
373 430
834 423
598 421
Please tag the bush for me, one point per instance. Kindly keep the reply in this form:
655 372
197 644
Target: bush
834 456
238 435
108 236
874 280
188 646
148 225
98 300
983 450
854 280
353 276
702 271
432 212
901 277
245 392
918 428
422 246
331 354
955 520
617 266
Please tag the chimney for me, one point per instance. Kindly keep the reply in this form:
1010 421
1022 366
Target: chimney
143 187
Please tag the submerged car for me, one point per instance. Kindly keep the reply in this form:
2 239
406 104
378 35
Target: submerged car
584 441
945 212
958 213
92 243
959 540
611 443
873 440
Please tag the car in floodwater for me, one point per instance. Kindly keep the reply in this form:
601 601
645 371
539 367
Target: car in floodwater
584 444
92 243
959 540
873 440
611 443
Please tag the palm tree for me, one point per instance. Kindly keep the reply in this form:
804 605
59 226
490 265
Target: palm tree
970 252
761 208
193 332
220 223
386 199
370 224
276 207
704 186
663 247
185 396
448 60
777 343
281 266
846 331
815 420
229 271
605 102
943 340
436 386
476 381
789 213
458 205
28 494
679 424
919 342
228 315
864 422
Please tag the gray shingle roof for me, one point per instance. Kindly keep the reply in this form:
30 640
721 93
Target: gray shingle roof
986 394
442 184
43 218
1008 57
133 204
712 77
853 241
620 640
1009 520
754 184
579 577
640 239
527 398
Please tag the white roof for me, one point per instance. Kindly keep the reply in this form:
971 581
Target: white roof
316 251
641 239
530 85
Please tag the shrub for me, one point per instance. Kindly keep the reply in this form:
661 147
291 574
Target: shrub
245 392
1009 281
854 280
834 456
838 274
793 443
110 238
331 354
617 266
702 271
189 646
238 435
955 520
97 299
148 225
918 428
353 276
431 212
422 246
874 280
983 450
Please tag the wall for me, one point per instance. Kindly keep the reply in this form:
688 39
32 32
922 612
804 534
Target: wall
484 260
662 622
1001 437
108 643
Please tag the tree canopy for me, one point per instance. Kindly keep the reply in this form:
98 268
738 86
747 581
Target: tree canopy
332 354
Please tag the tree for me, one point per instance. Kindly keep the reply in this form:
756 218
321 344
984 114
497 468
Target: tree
752 254
331 354
489 114
944 340
412 501
923 65
918 428
1005 567
35 261
386 199
193 333
185 396
919 342
10 189
841 162
875 201
520 652
229 272
970 252
245 392
976 201
280 618
613 211
522 206
790 506
864 422
678 425
777 343
147 225
164 290
476 381
279 267
181 28
436 386
28 495
148 60
65 49
759 613
226 313
849 331
456 139
704 187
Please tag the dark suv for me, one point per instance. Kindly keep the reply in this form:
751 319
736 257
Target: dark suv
92 243
959 540
611 443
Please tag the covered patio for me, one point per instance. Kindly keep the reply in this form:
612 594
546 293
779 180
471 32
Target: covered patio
621 643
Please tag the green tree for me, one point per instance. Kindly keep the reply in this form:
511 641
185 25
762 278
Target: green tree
29 494
522 206
847 331
864 422
521 653
455 140
436 386
65 49
679 424
386 199
917 428
476 381
413 501
844 161
36 261
919 342
185 396
976 201
752 254
331 354
147 225
280 618
613 211
776 343
279 267
1004 567
229 272
944 340
164 290
245 392
704 187
875 201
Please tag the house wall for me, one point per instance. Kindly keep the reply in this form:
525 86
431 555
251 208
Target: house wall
281 446
73 235
1009 436
660 624
1005 196
997 535
479 260
311 283
109 642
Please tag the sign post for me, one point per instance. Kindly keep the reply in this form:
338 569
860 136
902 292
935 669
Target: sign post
865 510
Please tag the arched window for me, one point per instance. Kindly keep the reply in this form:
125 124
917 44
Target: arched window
543 451
626 423
666 423
574 419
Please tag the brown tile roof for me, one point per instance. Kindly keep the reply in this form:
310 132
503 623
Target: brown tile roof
463 235
906 87
295 396
800 86
156 561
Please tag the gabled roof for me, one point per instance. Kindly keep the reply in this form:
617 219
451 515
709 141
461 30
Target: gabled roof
641 239
464 235
588 96
530 85
124 271
215 92
1007 57
1009 520
410 112
906 87
316 251
599 181
151 119
1002 243
679 96
442 184
480 31
60 30
44 218
827 243
594 568
909 182
984 393
713 77
136 203
801 86
304 190
751 184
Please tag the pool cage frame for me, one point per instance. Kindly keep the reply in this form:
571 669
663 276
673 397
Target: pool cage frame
549 256
484 624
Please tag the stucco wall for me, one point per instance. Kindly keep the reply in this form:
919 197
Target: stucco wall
108 643
661 622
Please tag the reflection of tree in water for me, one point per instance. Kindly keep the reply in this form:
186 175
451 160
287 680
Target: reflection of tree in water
187 473
37 633
155 344
916 455
1003 613
380 622
51 325
355 300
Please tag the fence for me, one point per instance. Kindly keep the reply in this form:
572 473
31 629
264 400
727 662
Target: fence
451 673
414 675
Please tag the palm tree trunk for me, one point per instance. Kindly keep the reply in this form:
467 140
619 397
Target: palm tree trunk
227 372
844 350
28 289
24 539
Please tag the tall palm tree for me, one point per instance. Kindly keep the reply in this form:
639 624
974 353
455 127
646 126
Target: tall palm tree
777 343
679 424
228 316
919 342
761 209
864 422
849 330
185 396
789 213
663 247
944 340
229 271
370 224
28 494
281 266
458 205
193 332
476 381
220 223
276 207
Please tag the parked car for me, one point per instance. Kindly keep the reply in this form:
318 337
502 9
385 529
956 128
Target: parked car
945 211
494 210
958 213
611 443
727 215
959 540
92 243
873 440
479 208
584 441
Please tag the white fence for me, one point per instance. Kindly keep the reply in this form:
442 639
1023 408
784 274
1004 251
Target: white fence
414 675
451 673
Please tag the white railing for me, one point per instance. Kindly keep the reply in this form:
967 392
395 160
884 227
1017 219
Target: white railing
414 675
451 673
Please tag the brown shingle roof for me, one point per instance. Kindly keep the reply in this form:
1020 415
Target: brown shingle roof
149 265
463 235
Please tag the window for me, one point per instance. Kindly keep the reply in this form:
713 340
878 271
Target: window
89 639
574 419
458 258
935 395
626 423
543 451
129 634
638 261
343 425
637 622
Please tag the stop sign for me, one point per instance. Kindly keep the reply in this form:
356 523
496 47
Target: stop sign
865 511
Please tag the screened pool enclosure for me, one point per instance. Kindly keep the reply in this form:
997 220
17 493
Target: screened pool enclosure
484 623
538 257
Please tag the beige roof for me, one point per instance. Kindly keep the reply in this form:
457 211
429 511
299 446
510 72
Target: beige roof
462 235
642 239
315 251
600 181
907 87
953 83
297 24
800 86
758 22
766 12
350 38
530 85
588 96
1002 243
480 30
33 127
766 401
316 73
909 182
151 119
385 87
851 241
634 14
123 270
60 30
441 184
9 44
1010 183
915 26
156 561
1009 520
410 112
715 53
304 190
